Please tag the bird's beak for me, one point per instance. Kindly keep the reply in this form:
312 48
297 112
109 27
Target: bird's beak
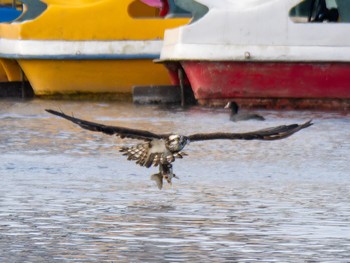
227 105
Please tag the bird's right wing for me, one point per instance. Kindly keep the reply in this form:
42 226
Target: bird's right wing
122 132
273 133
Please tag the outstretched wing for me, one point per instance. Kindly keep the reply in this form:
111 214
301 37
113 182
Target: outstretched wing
274 133
122 132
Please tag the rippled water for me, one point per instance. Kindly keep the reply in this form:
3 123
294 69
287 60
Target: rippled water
68 196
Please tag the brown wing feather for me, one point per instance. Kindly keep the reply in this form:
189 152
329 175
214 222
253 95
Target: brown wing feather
274 133
110 130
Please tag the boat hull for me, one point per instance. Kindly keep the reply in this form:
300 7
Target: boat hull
225 80
55 77
9 70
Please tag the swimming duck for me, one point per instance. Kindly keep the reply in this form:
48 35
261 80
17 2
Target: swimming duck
163 149
238 116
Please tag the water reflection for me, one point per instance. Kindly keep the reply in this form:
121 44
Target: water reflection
68 196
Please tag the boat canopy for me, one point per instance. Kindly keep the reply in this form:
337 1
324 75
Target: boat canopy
85 29
260 30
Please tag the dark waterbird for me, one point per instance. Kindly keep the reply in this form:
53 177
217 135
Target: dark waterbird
236 115
162 149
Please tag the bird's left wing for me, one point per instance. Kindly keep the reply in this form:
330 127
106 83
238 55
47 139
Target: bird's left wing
122 132
274 133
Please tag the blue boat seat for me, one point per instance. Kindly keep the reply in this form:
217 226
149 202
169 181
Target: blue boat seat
8 14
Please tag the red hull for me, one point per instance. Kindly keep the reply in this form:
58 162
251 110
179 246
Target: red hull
216 81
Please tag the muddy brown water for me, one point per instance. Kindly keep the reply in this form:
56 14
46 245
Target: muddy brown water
67 195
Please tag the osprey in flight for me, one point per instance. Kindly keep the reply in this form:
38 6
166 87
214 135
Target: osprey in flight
162 149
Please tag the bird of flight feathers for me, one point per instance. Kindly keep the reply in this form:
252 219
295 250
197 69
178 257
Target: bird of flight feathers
162 149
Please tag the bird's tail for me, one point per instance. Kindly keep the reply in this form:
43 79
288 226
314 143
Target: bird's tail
142 155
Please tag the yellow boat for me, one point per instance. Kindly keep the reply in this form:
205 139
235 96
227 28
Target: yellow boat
86 46
9 69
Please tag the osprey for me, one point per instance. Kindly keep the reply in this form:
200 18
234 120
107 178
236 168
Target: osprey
162 149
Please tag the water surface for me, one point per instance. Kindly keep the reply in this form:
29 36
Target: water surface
67 195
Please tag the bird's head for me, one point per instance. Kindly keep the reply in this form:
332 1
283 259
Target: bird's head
233 106
176 143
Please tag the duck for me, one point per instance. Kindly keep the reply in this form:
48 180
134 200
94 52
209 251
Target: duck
241 116
161 150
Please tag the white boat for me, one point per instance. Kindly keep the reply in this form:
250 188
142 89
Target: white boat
263 51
